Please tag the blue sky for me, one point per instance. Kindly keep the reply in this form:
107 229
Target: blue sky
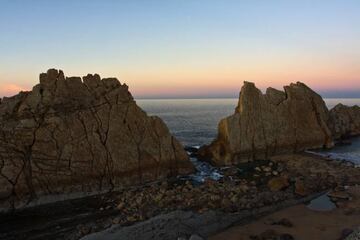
184 48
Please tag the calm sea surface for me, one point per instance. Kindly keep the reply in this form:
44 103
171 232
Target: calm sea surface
194 121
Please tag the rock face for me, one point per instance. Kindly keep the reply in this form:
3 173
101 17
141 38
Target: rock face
268 124
344 121
73 135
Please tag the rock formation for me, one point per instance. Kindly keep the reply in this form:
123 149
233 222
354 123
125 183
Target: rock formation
268 124
344 121
71 135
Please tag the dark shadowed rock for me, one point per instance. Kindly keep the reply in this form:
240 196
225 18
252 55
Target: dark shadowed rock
73 135
269 124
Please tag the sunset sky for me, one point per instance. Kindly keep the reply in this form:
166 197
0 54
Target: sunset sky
184 48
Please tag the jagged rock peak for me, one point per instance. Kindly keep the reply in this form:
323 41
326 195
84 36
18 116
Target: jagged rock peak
50 78
71 136
268 124
63 94
55 82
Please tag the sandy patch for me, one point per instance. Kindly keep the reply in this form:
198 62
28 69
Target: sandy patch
307 224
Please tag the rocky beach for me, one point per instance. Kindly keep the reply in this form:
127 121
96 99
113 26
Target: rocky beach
81 160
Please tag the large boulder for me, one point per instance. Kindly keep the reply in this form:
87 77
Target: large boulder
70 136
268 124
344 121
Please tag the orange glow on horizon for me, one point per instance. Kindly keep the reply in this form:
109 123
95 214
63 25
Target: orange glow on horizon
10 89
183 80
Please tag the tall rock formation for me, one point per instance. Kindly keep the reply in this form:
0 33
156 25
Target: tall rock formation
71 135
344 121
268 124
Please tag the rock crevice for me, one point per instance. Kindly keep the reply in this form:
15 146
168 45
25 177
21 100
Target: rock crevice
267 124
73 135
344 121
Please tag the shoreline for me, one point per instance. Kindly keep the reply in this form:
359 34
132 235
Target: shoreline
241 192
204 225
300 222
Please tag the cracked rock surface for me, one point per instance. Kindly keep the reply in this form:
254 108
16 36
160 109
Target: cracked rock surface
72 135
268 124
344 121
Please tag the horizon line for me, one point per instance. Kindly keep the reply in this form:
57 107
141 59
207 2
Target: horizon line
324 96
219 97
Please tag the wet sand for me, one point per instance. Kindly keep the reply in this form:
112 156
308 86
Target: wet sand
307 224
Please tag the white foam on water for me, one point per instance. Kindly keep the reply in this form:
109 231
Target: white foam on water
352 157
204 171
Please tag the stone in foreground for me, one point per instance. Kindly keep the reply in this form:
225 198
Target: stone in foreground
268 124
70 136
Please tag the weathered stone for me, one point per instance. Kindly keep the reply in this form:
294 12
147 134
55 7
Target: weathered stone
338 195
83 230
116 220
344 121
73 136
269 124
300 188
278 183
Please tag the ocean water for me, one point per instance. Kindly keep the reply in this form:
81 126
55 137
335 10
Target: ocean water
194 121
347 152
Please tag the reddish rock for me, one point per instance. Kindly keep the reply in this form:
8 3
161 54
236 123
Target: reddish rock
278 183
300 188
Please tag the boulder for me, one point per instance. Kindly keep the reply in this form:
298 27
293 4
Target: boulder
300 188
344 121
278 183
72 135
268 124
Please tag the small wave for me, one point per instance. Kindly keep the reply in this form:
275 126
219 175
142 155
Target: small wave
204 171
351 157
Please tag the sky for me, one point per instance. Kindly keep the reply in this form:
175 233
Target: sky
184 48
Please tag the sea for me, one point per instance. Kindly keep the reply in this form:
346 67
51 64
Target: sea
194 121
